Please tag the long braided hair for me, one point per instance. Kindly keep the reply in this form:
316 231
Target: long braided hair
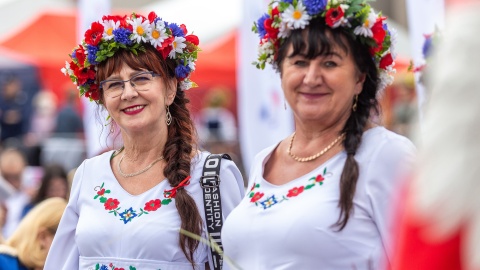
181 139
318 39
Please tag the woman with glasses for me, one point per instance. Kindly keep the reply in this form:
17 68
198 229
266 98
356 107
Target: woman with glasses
127 206
28 246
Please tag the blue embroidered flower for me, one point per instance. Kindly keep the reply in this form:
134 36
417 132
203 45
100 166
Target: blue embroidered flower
181 71
315 6
122 35
103 267
261 26
92 54
128 215
269 202
176 30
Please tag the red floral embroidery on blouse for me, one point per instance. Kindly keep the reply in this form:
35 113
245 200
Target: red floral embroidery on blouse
153 205
319 178
111 204
101 192
257 196
295 191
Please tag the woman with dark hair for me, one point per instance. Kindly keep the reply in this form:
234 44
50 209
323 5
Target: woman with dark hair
127 206
320 198
54 183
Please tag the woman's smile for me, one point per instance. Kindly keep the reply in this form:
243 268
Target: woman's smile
134 109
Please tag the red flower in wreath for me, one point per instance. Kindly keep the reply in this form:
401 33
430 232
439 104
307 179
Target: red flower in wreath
93 92
111 204
101 192
333 16
257 196
272 32
84 74
94 35
295 191
152 205
386 61
80 55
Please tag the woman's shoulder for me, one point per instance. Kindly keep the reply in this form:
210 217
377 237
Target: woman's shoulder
384 150
9 259
103 156
8 251
378 138
228 168
98 161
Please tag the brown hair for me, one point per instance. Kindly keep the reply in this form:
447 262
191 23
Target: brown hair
181 140
319 39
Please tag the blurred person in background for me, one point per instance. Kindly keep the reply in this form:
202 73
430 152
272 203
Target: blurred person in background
135 199
69 122
405 106
54 183
42 125
321 198
439 216
13 121
66 146
12 167
28 246
217 123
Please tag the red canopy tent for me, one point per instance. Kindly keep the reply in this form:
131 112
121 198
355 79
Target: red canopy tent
48 39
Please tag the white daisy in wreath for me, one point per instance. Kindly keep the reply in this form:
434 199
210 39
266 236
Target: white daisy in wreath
365 29
178 45
296 17
157 33
140 29
108 27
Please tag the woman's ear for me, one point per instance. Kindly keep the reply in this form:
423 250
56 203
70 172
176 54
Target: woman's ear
171 91
360 81
42 236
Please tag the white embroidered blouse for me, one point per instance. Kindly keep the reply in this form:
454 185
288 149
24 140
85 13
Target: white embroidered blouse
105 227
290 226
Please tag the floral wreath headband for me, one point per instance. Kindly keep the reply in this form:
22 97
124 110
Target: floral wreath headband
355 16
112 33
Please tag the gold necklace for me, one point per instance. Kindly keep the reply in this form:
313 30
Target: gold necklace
126 175
317 155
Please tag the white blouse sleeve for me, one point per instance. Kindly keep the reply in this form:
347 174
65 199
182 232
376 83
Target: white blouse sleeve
387 170
64 253
232 190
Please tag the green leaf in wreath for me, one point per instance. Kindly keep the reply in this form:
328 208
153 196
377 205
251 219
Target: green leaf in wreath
103 199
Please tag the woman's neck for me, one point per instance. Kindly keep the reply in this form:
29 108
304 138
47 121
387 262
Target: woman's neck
144 146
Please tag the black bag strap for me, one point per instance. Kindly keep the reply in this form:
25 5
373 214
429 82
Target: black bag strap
210 183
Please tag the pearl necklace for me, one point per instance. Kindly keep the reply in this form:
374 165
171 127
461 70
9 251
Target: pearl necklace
126 175
317 155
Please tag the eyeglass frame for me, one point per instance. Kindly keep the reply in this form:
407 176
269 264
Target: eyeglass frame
129 80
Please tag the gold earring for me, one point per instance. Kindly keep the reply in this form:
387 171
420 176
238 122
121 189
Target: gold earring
354 107
168 116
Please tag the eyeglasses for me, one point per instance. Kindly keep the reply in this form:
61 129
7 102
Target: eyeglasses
140 82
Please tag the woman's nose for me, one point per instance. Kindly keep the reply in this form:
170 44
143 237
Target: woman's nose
129 91
313 75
